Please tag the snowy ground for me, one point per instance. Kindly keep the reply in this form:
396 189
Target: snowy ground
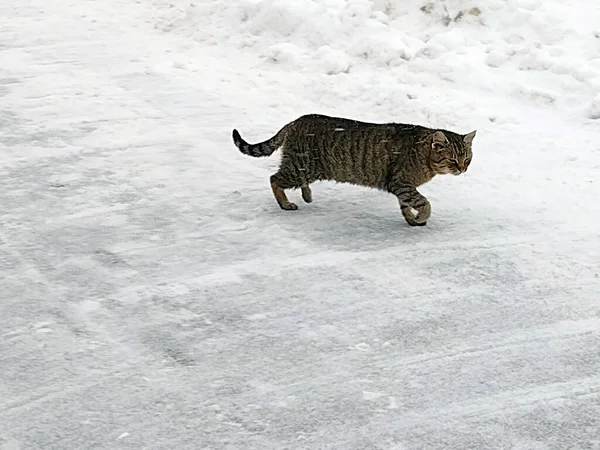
153 295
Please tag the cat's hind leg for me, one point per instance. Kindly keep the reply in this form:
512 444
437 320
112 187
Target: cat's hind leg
306 193
279 183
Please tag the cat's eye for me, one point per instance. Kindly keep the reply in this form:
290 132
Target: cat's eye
468 161
453 161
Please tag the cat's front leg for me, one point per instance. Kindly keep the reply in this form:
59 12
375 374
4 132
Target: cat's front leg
410 216
409 199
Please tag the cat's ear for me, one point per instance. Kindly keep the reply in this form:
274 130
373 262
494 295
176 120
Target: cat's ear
468 138
439 140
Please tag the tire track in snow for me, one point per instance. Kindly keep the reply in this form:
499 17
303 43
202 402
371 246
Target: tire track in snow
463 414
515 340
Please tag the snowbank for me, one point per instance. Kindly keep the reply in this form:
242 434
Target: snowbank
545 52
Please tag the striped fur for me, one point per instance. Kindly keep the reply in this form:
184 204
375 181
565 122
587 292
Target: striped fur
393 157
265 148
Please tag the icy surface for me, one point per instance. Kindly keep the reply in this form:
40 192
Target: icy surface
153 295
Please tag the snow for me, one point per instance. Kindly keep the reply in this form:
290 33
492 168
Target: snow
153 295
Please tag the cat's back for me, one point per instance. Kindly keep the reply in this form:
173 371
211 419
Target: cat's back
322 124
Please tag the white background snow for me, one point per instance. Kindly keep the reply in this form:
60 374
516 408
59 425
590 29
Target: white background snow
153 295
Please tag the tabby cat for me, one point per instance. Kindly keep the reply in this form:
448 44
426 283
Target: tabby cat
393 157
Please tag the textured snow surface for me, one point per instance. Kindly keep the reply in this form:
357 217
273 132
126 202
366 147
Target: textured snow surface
153 295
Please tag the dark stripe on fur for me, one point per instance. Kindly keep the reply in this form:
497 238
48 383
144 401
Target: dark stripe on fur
262 149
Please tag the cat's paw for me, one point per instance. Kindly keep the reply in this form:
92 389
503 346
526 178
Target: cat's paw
411 216
306 194
289 207
413 222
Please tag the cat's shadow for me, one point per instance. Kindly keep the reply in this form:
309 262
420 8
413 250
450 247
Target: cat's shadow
347 225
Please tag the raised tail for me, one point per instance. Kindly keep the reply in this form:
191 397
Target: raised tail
265 148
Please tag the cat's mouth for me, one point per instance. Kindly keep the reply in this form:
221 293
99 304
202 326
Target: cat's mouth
454 171
450 171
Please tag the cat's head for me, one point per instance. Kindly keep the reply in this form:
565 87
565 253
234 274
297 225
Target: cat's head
451 152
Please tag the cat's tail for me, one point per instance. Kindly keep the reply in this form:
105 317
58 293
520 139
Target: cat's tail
265 148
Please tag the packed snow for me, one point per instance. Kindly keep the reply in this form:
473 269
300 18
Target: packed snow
154 296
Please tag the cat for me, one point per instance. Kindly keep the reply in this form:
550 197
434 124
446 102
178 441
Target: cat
393 157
